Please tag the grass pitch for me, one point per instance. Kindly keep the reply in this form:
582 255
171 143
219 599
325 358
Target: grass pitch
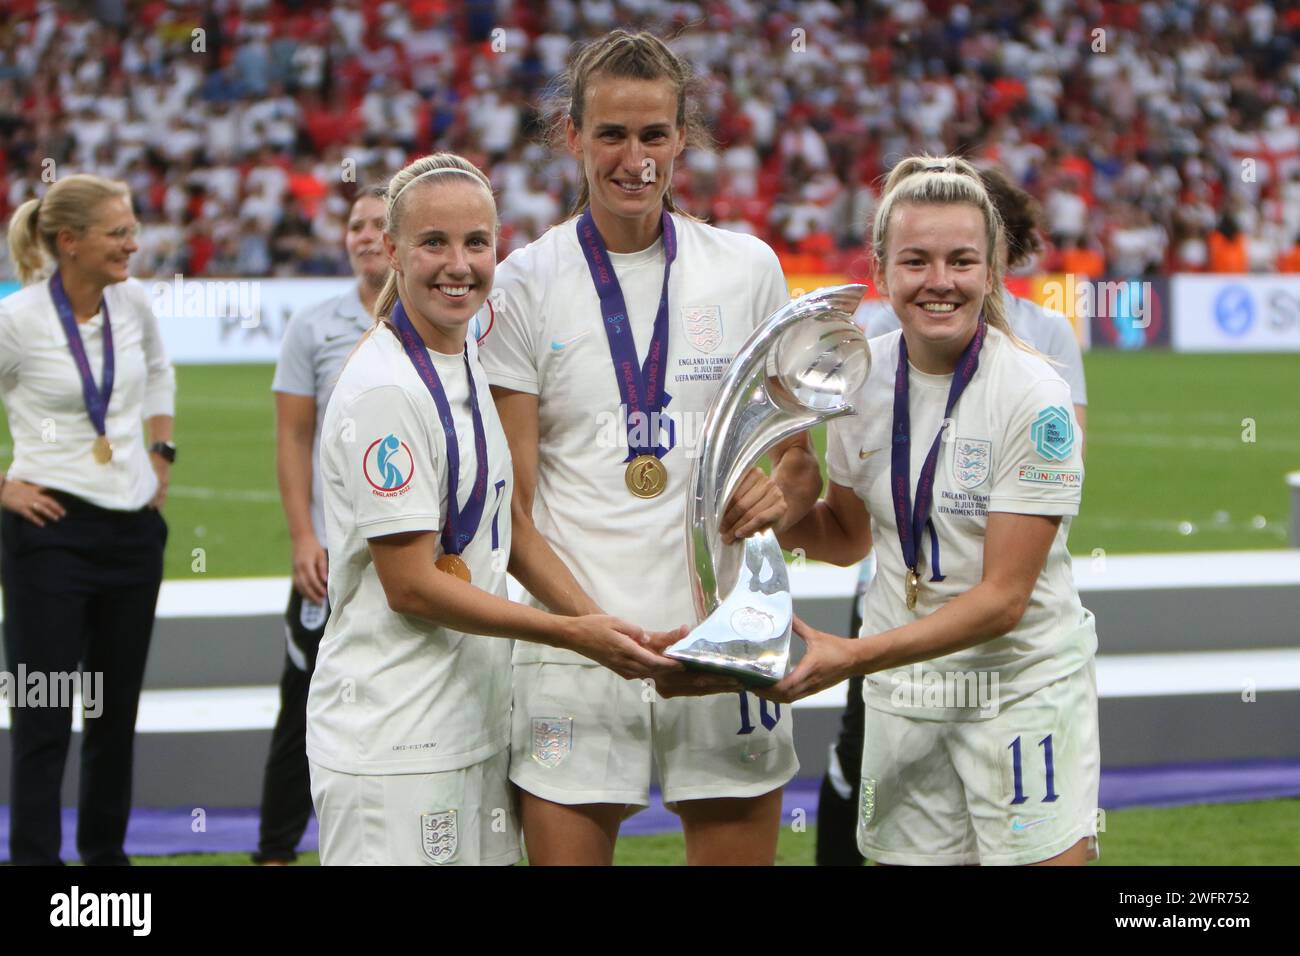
1184 453
1232 834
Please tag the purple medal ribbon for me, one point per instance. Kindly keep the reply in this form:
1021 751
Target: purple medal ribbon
640 387
911 522
462 523
96 399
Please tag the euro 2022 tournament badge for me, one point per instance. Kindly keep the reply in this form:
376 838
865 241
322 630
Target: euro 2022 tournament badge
438 836
1052 433
971 458
388 466
552 740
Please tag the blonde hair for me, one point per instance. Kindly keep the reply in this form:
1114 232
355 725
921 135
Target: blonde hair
426 169
623 55
68 204
939 181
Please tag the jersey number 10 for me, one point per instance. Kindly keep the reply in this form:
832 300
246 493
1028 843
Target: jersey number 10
768 721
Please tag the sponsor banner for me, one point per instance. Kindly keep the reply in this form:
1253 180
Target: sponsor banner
1127 314
227 320
1237 313
1108 313
221 321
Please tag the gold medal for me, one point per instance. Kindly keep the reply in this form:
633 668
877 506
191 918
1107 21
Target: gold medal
646 476
454 565
913 587
102 450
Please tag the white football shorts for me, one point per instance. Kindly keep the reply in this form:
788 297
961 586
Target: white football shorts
582 734
461 817
1020 787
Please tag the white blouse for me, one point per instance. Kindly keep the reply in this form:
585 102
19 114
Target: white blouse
52 431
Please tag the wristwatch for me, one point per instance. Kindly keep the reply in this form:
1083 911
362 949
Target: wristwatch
166 449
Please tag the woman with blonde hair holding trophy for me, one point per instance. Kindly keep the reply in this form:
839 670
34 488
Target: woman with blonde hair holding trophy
967 489
408 714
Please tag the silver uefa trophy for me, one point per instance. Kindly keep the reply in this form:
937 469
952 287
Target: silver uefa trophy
796 370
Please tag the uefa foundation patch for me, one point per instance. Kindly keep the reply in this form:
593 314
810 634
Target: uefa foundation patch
1030 474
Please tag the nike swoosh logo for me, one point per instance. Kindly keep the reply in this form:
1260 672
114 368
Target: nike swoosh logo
561 346
864 455
1017 825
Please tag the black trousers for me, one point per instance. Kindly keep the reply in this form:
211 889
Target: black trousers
286 783
837 816
79 593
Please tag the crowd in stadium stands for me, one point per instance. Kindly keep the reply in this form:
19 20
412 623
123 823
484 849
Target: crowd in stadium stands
1158 137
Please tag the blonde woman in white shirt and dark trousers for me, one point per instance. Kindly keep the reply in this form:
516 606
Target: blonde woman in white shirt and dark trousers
82 535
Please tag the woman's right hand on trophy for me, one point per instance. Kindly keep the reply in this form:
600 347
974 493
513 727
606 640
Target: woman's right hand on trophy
682 681
624 648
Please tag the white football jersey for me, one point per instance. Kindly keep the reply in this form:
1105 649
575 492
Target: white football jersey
394 693
1012 446
548 339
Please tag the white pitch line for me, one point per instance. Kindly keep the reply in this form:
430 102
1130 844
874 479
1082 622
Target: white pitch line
257 495
226 709
1216 443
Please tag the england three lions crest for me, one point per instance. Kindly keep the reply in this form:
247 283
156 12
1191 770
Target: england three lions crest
552 740
703 326
970 462
438 836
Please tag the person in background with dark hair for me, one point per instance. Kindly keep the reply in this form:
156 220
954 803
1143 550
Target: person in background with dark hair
82 367
1228 250
316 342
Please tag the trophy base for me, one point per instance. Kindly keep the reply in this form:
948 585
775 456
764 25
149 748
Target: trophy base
727 668
748 635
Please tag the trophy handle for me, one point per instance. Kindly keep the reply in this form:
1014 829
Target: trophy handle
796 370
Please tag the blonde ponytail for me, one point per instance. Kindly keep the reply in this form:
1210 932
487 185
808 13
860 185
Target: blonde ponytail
25 243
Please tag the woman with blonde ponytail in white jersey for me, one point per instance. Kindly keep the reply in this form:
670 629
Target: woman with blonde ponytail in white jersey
82 367
602 460
981 702
408 714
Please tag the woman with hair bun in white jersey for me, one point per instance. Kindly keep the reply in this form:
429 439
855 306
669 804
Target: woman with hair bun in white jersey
981 702
608 338
408 715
